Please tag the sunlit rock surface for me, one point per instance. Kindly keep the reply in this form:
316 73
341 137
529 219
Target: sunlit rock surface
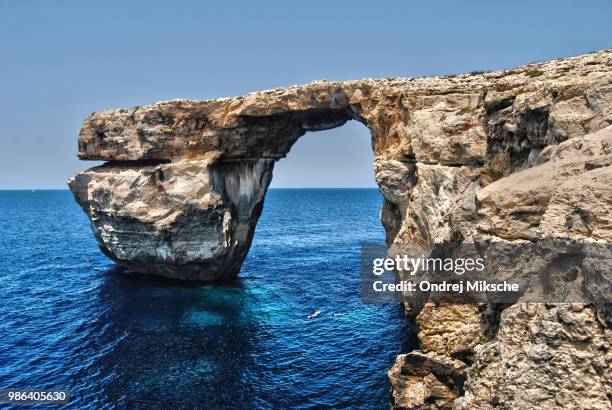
544 357
566 194
188 219
515 155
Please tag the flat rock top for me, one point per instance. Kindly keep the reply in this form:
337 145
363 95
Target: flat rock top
187 128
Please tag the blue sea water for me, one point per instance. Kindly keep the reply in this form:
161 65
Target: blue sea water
70 319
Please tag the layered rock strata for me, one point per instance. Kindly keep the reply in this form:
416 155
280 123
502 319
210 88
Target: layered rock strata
514 155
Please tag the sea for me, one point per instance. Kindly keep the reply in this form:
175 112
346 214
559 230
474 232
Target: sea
290 332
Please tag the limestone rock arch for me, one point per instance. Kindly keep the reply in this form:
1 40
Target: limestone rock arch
185 180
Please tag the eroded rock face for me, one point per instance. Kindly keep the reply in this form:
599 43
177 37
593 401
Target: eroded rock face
544 356
566 194
515 155
533 356
426 381
188 219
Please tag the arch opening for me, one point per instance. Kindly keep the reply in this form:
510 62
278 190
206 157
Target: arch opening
340 157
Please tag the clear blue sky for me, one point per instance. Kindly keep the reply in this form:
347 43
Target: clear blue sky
61 60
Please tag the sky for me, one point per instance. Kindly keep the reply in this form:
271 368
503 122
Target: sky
61 60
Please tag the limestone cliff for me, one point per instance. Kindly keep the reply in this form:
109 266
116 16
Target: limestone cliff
514 155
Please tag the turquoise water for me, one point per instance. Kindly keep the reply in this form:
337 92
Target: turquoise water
72 320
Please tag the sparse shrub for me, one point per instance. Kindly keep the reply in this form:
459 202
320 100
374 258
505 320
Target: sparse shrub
465 110
534 73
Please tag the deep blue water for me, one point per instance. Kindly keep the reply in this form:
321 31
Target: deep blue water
70 319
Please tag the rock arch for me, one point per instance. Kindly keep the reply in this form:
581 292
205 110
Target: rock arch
186 180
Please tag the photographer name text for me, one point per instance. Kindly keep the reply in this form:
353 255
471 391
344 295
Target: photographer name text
444 286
